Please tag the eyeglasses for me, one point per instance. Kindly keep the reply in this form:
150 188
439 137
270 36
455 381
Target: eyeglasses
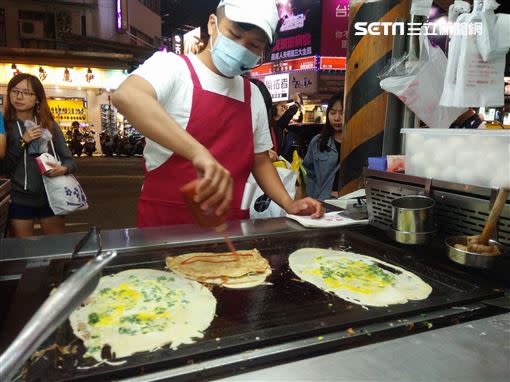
24 93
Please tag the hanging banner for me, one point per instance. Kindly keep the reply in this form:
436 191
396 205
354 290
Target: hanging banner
278 86
305 63
335 26
298 35
333 63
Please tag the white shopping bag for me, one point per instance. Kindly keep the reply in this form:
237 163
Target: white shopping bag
421 87
261 206
65 194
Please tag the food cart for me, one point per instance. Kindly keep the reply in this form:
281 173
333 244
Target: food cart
286 320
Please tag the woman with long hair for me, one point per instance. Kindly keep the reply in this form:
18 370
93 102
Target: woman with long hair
322 160
27 117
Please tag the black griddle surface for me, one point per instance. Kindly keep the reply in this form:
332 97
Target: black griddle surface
269 314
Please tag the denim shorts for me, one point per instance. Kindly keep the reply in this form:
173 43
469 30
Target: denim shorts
18 211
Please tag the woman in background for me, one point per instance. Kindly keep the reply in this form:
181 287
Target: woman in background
26 102
322 160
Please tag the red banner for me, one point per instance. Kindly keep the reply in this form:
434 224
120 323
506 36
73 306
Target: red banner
333 63
335 26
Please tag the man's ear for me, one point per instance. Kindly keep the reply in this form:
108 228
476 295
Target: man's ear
211 24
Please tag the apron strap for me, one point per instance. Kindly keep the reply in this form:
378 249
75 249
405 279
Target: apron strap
247 92
194 76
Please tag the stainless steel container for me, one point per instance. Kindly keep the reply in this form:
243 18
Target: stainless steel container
413 214
410 238
470 259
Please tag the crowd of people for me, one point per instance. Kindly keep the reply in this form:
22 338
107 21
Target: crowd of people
249 132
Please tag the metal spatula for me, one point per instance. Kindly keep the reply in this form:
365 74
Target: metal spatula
55 310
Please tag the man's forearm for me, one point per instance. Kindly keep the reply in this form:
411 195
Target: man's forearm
267 178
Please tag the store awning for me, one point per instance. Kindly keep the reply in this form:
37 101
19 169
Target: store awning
67 58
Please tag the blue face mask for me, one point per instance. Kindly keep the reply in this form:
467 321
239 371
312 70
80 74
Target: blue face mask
231 58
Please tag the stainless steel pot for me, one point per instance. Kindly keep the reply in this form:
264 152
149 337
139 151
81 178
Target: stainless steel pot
470 259
410 238
413 214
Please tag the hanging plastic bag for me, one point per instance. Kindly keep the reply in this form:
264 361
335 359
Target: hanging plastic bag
478 81
421 7
419 84
477 62
39 145
448 94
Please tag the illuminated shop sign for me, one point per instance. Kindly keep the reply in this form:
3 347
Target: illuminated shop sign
333 63
335 25
66 76
305 63
121 15
299 31
278 86
177 44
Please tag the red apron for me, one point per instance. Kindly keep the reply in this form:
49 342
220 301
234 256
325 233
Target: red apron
224 126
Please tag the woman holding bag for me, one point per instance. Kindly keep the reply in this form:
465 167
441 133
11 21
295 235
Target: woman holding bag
27 106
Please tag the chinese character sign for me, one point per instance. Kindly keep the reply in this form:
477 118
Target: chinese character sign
278 86
335 25
303 82
298 35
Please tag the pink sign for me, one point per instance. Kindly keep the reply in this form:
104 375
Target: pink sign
335 25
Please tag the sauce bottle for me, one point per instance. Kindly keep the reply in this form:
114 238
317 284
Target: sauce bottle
206 219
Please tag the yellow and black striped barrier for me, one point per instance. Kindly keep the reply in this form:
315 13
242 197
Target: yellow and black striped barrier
365 101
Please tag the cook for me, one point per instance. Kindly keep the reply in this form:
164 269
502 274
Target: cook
202 118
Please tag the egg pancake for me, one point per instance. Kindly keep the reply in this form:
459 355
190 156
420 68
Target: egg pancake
242 269
141 310
357 278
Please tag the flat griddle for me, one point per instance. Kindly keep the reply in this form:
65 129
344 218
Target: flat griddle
286 310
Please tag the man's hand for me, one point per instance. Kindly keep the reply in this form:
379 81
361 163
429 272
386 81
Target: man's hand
56 170
306 207
215 188
32 134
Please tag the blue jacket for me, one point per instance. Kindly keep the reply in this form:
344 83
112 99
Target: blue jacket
320 168
2 128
